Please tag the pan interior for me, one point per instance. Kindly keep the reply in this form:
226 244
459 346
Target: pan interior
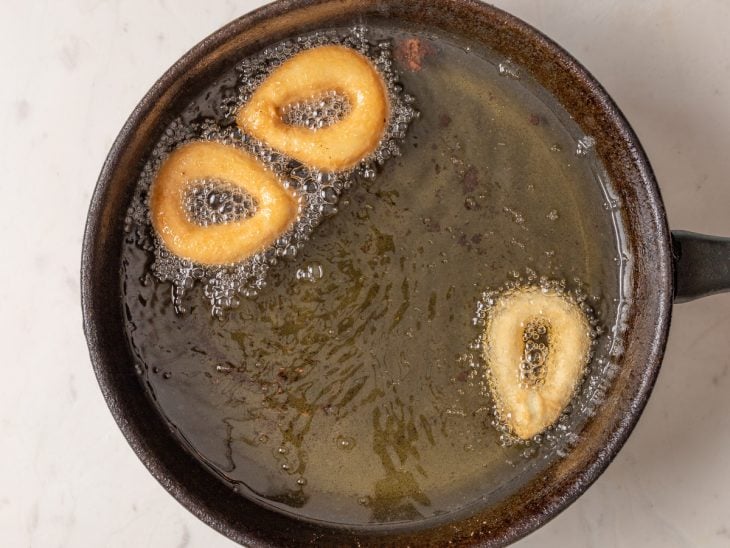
356 396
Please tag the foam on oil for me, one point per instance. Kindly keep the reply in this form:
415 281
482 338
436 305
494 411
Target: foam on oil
350 386
318 192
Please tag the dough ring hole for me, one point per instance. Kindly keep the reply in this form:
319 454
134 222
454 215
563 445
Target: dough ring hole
323 110
216 202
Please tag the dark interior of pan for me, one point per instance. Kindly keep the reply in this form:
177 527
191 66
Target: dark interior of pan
535 501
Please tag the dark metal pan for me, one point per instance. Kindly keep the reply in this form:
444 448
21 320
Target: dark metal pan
668 267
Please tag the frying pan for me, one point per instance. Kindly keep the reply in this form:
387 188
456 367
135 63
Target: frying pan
667 267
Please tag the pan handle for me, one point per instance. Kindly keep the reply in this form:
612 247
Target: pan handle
701 265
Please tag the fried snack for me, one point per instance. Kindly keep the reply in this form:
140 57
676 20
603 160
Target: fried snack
537 344
226 243
306 77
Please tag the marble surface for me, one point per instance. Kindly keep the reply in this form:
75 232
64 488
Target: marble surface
73 71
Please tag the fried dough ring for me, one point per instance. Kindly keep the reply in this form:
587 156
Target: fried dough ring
304 77
530 407
222 243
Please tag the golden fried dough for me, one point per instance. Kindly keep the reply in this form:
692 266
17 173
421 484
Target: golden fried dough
305 77
226 243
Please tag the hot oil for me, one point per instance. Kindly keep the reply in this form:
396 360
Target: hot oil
350 388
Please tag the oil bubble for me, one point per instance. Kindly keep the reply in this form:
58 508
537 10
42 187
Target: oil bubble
509 69
584 146
310 273
345 443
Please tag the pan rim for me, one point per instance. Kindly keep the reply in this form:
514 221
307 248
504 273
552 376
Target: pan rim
94 320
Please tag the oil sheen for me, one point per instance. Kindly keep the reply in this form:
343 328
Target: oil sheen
349 389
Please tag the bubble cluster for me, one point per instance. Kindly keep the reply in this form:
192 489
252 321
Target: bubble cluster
537 344
319 112
310 273
509 69
585 145
211 202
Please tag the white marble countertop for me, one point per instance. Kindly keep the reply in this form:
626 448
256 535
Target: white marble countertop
72 73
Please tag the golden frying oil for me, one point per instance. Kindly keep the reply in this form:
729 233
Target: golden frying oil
349 389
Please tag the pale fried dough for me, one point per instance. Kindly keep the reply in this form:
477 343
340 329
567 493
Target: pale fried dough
528 404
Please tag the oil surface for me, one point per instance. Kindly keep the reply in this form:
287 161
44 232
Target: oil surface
349 389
